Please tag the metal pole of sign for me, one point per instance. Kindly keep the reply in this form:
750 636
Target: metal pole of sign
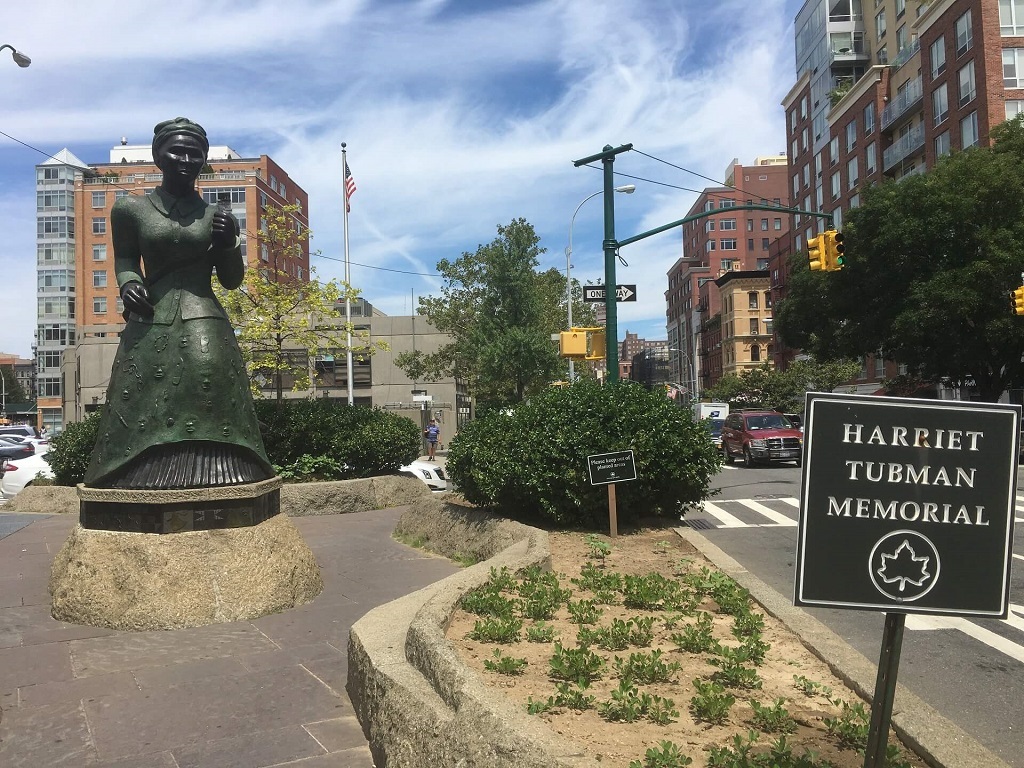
613 523
885 690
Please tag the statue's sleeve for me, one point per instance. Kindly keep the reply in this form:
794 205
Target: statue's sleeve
230 264
124 229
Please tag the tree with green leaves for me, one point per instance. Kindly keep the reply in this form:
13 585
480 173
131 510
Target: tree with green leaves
930 263
13 393
280 316
784 391
500 313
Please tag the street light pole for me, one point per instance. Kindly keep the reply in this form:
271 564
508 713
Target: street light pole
19 58
626 189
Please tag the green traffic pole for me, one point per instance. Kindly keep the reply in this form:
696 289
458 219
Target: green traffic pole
610 305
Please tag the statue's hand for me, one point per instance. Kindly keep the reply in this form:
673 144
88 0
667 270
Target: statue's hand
225 229
136 298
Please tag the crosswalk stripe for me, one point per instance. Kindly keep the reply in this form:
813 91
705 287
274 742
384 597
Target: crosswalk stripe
771 514
727 520
986 636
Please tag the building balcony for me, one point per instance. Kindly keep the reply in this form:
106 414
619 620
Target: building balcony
848 47
906 54
910 97
904 148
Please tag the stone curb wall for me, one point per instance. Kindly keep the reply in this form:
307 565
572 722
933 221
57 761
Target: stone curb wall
416 701
297 499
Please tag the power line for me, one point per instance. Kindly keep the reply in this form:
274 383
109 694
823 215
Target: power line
383 269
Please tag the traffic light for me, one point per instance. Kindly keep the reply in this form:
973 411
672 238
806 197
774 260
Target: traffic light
816 254
1018 301
597 344
834 250
573 343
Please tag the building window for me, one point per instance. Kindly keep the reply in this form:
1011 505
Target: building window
1013 108
796 183
940 104
833 150
901 37
709 245
762 264
119 193
964 34
901 8
836 186
52 226
755 353
729 244
937 54
99 199
851 135
750 243
969 130
99 305
750 225
968 89
852 173
99 252
1013 67
869 118
753 326
883 54
764 225
728 224
806 173
99 225
942 144
804 143
870 152
880 24
777 224
727 203
752 300
99 278
1011 18
709 225
764 243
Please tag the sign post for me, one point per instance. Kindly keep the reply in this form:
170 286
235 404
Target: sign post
608 469
907 506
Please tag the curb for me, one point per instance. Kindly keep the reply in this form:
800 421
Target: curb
936 739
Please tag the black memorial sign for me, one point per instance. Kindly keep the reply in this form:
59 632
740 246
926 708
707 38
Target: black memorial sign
611 467
907 505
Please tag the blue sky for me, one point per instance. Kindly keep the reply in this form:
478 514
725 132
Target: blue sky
459 115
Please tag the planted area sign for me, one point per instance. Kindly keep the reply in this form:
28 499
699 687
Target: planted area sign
907 505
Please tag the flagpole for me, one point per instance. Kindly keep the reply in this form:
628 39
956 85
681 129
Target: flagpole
348 283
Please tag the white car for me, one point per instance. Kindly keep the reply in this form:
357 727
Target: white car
21 473
427 471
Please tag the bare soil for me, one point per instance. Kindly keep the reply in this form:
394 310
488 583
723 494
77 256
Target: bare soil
618 743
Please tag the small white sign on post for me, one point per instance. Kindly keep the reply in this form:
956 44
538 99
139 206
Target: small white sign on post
609 469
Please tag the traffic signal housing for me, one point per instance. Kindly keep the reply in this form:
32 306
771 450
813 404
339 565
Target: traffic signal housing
834 250
816 254
1018 301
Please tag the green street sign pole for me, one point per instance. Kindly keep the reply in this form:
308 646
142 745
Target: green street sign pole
607 158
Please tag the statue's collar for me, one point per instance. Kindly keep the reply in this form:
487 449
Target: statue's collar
170 205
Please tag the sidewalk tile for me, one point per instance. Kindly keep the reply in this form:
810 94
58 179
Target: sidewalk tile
51 736
62 691
295 654
263 748
336 734
155 678
33 664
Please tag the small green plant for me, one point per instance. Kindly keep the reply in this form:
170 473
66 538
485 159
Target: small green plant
584 612
540 606
505 665
466 559
650 592
774 718
811 688
641 630
756 649
575 664
626 704
662 711
696 638
665 755
850 728
661 547
574 698
539 707
646 668
732 669
501 581
416 541
540 633
712 703
599 549
731 597
747 624
597 580
484 601
497 629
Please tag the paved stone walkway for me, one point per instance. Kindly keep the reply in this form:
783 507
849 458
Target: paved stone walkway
255 694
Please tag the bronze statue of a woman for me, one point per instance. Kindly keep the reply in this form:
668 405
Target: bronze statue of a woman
178 412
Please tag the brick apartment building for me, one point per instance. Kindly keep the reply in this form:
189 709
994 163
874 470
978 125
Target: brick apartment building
731 241
884 89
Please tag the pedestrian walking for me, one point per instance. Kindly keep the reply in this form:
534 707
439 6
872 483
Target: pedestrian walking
432 433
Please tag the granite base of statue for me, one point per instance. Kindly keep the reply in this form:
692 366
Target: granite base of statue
180 519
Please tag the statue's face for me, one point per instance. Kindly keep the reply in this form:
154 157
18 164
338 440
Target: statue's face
181 156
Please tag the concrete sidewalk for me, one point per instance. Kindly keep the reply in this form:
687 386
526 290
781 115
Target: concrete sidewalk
255 694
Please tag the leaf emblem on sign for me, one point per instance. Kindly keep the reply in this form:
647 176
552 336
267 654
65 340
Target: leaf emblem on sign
904 566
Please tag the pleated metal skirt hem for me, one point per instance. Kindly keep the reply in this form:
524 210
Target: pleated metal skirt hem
189 465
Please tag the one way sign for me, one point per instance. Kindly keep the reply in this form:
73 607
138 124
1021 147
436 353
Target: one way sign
594 293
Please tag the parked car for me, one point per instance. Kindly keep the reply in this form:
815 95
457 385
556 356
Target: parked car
13 448
715 428
19 429
427 471
21 473
761 436
42 445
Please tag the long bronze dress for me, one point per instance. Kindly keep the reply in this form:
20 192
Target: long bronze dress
178 412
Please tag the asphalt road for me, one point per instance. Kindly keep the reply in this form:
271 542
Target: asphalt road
970 670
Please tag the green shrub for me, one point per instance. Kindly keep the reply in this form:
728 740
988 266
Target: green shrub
532 463
70 451
323 439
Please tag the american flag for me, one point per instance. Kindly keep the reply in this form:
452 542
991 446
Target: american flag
350 187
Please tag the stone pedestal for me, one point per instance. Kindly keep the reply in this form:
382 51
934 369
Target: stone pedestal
207 556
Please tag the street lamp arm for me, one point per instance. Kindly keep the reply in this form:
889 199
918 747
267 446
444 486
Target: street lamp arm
19 58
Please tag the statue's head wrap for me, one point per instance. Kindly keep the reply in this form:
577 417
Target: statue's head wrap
168 128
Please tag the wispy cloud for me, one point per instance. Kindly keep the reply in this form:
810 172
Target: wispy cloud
458 116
